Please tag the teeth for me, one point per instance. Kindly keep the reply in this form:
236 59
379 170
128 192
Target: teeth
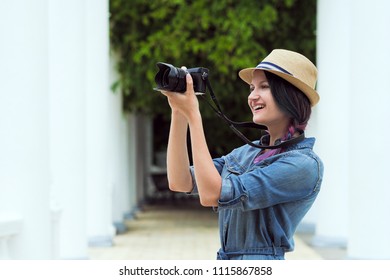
259 107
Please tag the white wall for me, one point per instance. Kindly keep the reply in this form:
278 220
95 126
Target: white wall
24 126
333 46
64 142
67 52
369 192
353 60
99 190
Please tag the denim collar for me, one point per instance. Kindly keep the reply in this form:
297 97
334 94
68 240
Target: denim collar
307 143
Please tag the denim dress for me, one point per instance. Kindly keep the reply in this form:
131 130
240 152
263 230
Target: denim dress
261 204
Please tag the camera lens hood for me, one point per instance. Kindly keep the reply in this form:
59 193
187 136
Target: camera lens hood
170 78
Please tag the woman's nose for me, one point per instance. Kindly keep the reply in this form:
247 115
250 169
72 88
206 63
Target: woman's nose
253 95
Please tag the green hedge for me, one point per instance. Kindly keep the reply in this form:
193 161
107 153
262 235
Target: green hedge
223 36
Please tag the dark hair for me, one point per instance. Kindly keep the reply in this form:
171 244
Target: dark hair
290 100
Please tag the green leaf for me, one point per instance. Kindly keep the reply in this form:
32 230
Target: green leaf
224 36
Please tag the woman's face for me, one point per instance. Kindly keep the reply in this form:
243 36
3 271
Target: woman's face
262 103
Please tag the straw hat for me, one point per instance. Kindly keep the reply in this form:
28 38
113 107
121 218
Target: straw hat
290 66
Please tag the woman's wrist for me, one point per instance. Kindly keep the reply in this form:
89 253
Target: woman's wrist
194 117
190 116
178 118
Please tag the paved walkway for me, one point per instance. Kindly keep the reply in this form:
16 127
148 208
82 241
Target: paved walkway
177 230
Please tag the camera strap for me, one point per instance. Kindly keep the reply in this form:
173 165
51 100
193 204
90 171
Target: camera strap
233 125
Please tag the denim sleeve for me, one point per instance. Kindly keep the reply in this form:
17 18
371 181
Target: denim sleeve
290 178
218 162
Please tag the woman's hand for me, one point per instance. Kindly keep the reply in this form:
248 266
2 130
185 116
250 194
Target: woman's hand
185 103
185 111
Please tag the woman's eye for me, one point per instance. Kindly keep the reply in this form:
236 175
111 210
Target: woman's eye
251 89
265 86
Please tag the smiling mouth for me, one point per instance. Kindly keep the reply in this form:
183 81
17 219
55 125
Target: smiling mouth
258 108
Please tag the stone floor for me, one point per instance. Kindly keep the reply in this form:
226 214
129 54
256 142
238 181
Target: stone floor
181 229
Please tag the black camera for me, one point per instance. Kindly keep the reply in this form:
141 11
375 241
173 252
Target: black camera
171 78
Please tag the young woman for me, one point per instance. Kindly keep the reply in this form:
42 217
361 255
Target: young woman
261 195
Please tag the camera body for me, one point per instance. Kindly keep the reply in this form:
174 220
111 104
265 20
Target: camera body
171 78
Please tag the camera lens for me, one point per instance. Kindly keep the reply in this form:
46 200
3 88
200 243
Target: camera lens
165 78
170 78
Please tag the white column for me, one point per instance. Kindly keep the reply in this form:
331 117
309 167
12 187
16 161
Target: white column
140 153
24 123
369 154
99 190
118 152
332 120
149 187
133 153
143 123
67 124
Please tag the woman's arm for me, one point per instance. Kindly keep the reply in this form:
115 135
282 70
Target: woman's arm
179 176
207 176
185 112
